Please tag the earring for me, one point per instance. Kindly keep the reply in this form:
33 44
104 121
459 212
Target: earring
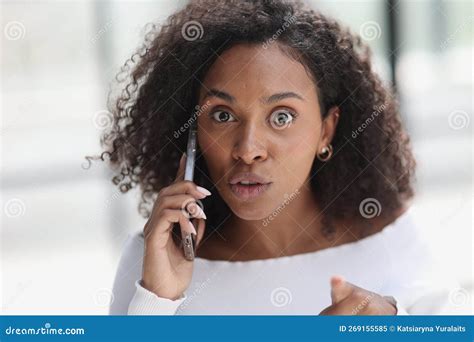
326 153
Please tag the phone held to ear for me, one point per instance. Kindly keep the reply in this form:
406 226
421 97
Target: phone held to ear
189 240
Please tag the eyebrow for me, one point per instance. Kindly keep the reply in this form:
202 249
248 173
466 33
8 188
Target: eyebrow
219 94
281 96
271 99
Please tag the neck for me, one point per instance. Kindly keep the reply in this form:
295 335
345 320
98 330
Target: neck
293 227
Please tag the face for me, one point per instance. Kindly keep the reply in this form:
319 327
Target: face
260 114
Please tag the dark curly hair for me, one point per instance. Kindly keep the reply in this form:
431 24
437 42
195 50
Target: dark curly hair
160 82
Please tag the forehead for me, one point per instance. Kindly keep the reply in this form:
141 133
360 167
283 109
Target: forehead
254 70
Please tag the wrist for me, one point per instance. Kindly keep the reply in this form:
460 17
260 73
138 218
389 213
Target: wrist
153 289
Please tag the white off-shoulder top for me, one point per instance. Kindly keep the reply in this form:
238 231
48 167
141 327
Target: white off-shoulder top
393 262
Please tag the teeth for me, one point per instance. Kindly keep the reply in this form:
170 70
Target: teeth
247 183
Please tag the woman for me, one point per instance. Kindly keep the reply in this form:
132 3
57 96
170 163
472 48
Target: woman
303 173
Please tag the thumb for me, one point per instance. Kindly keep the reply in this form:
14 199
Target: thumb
340 289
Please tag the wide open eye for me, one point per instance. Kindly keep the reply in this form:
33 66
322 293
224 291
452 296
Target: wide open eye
282 118
222 116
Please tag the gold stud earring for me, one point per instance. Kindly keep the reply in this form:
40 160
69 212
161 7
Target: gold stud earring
326 153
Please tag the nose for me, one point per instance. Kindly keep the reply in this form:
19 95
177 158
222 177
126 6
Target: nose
249 146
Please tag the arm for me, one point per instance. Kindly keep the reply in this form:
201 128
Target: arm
129 297
145 302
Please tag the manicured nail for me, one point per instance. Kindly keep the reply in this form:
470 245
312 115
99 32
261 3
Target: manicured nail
204 191
197 211
191 226
202 213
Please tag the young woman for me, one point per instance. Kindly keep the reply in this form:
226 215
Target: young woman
303 172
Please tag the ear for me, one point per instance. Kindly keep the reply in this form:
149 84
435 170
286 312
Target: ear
329 126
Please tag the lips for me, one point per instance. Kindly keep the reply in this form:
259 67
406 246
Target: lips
248 192
248 177
239 184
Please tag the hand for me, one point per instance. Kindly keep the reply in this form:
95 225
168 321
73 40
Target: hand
348 299
166 272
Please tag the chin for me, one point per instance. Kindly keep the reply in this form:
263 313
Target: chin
250 216
251 210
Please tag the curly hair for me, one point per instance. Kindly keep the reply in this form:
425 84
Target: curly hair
159 90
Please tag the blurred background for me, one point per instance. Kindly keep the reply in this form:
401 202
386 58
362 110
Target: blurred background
63 227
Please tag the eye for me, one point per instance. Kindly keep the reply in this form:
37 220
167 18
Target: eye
282 118
222 116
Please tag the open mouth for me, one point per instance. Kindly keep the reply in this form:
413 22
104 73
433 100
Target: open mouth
248 190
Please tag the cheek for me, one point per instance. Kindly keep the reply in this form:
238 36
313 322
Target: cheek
214 153
298 153
211 137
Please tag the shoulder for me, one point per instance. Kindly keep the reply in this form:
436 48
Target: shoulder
401 232
129 270
404 228
421 280
397 218
132 250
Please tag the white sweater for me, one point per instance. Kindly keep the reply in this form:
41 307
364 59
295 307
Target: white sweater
393 262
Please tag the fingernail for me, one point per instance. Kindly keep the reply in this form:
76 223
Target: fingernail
191 226
203 191
200 212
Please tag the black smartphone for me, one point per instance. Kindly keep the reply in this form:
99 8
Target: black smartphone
189 240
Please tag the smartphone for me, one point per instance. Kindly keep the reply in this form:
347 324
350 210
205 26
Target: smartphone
189 240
